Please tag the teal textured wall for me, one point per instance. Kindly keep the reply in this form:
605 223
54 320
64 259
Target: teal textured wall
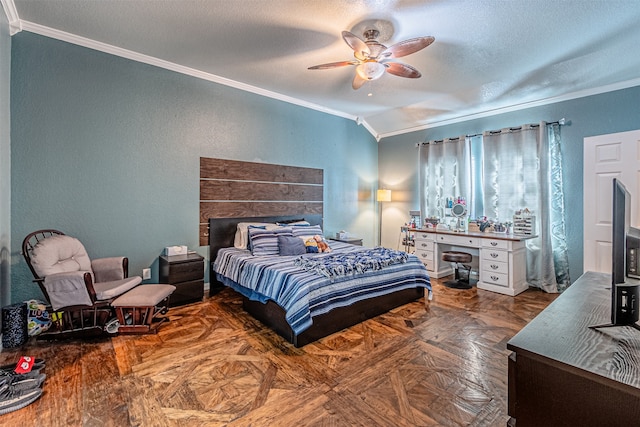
5 161
593 115
107 150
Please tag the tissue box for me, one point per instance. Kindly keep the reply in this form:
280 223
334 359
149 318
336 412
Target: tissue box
342 235
175 250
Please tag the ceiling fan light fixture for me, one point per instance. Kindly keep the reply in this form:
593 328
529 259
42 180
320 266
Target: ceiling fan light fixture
370 70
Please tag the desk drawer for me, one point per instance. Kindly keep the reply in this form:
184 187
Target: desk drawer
492 255
424 237
424 255
424 245
495 243
491 266
472 242
430 265
495 278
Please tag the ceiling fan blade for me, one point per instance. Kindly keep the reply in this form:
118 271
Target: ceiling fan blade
407 47
402 70
358 82
360 48
333 65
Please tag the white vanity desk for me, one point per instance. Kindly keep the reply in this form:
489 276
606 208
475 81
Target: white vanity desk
501 257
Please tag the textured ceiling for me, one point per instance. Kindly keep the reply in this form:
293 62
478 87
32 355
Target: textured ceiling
488 55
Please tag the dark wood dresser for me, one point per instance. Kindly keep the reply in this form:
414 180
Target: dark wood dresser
186 273
563 373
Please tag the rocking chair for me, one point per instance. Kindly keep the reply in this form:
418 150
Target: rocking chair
80 290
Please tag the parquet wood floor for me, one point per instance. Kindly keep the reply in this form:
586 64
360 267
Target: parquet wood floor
443 364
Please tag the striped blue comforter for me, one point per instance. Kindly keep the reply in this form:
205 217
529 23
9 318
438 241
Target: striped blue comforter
304 293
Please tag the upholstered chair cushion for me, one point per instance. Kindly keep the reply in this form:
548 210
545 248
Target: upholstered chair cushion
62 261
108 290
108 269
144 296
59 254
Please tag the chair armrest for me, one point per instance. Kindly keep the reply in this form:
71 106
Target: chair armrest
109 269
68 289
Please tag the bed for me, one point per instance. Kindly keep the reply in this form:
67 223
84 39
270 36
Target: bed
301 297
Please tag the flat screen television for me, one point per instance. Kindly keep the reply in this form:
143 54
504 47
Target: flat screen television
625 273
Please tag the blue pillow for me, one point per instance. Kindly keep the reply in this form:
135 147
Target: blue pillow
306 230
289 245
265 242
261 227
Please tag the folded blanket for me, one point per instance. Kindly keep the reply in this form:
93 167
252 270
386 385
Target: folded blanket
353 263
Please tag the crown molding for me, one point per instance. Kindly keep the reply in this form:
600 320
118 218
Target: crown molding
42 30
10 10
494 112
17 25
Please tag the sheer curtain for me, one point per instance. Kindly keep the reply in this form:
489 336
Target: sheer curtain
444 172
522 168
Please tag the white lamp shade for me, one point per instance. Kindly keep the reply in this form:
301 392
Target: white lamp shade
384 196
370 70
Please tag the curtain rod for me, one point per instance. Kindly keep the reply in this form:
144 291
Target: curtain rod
560 122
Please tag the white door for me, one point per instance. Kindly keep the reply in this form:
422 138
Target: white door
606 157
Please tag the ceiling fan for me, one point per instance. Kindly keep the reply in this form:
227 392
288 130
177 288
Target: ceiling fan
373 58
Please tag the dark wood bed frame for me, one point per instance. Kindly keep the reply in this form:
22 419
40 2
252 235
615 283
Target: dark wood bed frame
221 235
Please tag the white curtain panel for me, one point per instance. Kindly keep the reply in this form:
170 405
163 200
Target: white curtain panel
517 174
444 172
511 171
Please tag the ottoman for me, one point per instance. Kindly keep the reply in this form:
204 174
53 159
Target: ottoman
137 309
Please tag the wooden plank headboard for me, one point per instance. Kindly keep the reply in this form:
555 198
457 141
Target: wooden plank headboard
232 189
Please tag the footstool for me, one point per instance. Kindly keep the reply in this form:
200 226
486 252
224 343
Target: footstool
136 309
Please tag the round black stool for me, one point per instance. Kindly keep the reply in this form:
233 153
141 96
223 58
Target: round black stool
459 258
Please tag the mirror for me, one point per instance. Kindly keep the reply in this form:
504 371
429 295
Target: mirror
458 210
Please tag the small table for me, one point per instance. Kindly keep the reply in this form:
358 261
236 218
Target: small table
351 240
186 273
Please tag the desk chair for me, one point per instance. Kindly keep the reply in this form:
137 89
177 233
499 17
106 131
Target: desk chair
459 258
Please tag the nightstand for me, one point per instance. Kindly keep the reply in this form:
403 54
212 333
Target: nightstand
351 240
186 273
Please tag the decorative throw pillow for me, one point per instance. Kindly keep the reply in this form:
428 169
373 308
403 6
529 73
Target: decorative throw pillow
265 242
262 227
289 245
306 230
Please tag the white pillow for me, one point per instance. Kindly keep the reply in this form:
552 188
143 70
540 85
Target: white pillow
242 232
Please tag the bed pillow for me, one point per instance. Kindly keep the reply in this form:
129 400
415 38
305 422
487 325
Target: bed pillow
293 222
304 231
242 234
265 242
261 227
289 245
